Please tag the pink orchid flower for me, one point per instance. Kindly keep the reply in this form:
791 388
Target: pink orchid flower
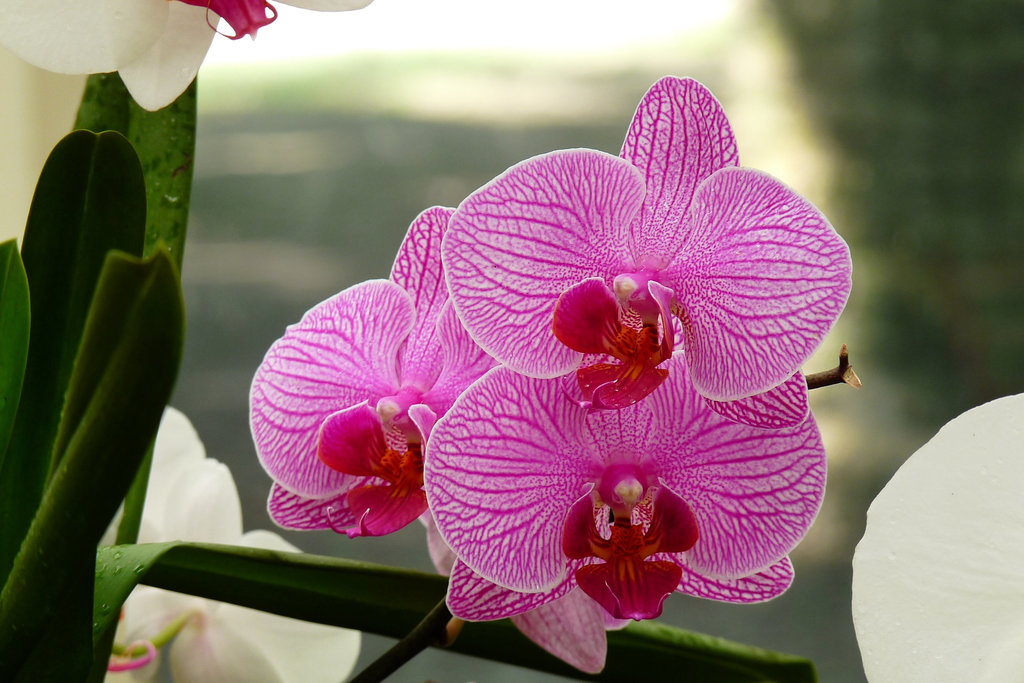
536 494
579 252
157 46
343 402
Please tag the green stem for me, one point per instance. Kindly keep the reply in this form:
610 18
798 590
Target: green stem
159 640
428 632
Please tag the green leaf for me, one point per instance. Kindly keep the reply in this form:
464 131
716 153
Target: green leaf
122 379
391 602
14 321
90 199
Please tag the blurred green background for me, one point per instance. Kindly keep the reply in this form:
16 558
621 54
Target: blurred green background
903 121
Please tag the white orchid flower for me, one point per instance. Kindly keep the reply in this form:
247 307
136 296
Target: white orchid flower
192 497
156 45
938 579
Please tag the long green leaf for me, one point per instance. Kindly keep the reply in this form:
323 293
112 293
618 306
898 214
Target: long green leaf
90 199
122 379
14 321
390 602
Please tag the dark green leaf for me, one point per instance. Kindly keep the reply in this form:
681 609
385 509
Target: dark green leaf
391 602
122 379
14 321
90 199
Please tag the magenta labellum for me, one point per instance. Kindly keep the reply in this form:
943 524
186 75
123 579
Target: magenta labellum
246 17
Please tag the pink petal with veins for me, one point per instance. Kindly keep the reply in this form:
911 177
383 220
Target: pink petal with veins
571 628
462 362
293 511
679 137
759 587
474 598
514 246
417 270
501 470
342 352
762 279
754 492
783 406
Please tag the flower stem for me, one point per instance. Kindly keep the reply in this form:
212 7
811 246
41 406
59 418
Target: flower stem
841 374
431 631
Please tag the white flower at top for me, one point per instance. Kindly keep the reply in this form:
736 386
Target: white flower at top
938 579
192 497
156 45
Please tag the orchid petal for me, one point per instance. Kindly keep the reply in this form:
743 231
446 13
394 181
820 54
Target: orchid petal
296 650
638 596
292 511
679 137
201 505
328 5
501 470
783 406
937 577
462 362
162 72
586 317
417 270
514 246
759 587
207 651
381 510
571 628
342 352
352 441
578 528
148 611
81 37
440 554
754 492
474 598
762 279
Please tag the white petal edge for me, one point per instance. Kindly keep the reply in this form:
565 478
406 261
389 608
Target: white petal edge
328 5
937 577
80 37
163 71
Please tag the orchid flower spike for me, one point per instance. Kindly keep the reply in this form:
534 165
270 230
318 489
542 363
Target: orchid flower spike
578 255
156 45
938 585
538 495
194 498
342 404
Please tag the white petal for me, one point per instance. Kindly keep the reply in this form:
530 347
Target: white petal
938 579
297 650
207 651
80 37
328 5
202 505
161 73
